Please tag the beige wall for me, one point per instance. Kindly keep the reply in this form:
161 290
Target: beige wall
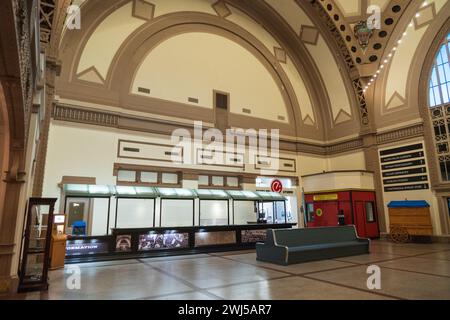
107 39
91 151
309 164
338 181
349 161
194 64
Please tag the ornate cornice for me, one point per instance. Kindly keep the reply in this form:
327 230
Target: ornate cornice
70 114
400 134
344 146
76 114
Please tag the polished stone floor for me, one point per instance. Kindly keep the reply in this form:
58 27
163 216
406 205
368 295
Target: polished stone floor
408 271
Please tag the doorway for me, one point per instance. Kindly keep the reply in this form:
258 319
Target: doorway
366 221
78 217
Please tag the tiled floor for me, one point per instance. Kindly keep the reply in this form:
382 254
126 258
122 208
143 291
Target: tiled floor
408 271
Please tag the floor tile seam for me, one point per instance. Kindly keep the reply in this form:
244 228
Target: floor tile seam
416 272
353 288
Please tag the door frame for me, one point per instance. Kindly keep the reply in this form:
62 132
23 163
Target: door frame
89 211
375 212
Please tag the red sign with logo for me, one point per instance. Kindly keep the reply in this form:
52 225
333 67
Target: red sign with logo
276 186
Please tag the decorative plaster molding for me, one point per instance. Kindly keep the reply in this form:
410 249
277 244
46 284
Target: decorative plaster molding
113 120
280 54
309 34
400 134
347 57
345 146
221 9
85 116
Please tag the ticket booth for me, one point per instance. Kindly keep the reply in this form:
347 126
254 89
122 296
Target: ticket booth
343 208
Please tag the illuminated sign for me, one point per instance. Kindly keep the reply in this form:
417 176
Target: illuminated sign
326 197
85 247
276 186
59 219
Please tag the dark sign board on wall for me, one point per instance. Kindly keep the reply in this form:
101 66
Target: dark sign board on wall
404 167
405 172
406 156
412 147
405 164
407 187
86 247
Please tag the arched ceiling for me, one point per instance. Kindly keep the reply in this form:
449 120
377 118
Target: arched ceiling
311 43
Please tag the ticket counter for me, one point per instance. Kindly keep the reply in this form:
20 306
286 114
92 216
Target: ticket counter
147 221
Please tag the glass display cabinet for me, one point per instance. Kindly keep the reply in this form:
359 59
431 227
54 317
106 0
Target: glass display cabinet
36 240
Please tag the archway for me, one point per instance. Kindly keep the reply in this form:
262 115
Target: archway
4 147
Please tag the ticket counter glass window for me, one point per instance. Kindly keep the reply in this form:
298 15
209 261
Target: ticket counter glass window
280 212
176 207
177 213
135 207
214 207
272 208
214 212
245 206
244 212
87 208
267 211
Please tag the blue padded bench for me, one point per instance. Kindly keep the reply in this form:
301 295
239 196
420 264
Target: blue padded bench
290 246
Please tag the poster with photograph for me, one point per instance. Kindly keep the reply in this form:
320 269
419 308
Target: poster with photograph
149 242
253 236
123 243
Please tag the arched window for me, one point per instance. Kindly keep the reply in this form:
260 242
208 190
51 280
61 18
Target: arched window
439 88
439 103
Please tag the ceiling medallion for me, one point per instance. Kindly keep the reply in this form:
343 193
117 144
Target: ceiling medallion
363 33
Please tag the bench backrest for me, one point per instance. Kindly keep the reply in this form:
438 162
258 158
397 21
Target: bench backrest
309 236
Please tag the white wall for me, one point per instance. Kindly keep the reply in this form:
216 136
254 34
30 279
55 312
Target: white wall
78 151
